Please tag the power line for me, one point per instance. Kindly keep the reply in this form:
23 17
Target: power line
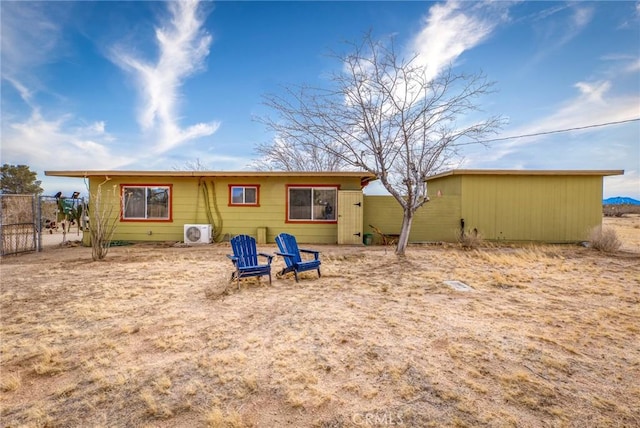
577 128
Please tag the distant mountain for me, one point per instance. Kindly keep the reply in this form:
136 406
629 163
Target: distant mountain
620 200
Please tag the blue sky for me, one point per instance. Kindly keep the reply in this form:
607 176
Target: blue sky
153 85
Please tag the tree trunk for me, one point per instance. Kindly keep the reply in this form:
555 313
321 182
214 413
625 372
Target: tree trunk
403 240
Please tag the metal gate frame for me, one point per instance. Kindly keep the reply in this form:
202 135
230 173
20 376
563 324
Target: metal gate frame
22 223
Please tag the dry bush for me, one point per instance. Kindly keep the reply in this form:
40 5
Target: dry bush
218 287
17 208
49 210
603 239
16 223
470 240
620 210
103 220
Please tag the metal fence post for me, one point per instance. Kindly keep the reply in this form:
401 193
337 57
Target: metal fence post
38 223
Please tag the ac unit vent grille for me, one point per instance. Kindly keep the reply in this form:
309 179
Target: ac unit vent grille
197 233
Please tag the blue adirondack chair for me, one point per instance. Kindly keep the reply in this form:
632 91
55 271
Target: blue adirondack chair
245 259
291 253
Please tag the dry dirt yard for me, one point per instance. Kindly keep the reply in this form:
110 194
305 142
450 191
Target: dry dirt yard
548 336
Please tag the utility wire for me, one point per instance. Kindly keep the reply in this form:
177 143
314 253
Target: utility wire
577 128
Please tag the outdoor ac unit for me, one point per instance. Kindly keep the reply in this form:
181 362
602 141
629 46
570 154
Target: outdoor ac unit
197 233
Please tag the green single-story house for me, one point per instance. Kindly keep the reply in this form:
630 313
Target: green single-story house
316 207
331 207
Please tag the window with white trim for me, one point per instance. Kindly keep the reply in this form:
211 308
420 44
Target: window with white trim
146 202
243 195
309 203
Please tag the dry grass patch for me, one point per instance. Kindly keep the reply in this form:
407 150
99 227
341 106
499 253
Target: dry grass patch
216 418
153 336
628 230
10 382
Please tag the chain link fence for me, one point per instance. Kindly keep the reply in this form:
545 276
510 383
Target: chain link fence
18 224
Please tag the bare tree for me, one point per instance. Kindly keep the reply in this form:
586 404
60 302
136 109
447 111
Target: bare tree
195 165
289 156
383 114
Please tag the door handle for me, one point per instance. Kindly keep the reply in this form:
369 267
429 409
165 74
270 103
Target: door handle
356 234
358 204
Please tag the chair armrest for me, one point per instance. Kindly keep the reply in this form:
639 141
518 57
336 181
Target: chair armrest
268 256
316 254
233 259
286 255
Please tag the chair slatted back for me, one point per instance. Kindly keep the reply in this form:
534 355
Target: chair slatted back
287 244
245 249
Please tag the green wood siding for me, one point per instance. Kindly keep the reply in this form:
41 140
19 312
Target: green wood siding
383 212
441 221
189 207
437 220
544 208
532 208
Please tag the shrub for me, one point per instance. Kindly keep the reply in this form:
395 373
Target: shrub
470 240
620 210
605 240
103 220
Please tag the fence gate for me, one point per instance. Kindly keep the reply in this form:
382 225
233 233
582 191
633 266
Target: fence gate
18 223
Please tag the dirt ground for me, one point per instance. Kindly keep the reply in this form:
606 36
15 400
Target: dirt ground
155 336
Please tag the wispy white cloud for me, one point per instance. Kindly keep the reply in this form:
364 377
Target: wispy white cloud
592 105
184 46
20 48
593 91
633 66
56 144
447 31
454 27
627 184
25 93
556 33
581 18
47 137
613 147
631 20
31 38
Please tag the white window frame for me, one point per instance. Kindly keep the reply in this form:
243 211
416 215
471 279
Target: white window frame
147 188
244 188
313 189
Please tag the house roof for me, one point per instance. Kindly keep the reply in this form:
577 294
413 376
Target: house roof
365 177
548 172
